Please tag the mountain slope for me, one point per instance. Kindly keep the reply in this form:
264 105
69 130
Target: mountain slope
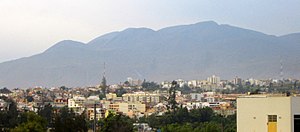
187 51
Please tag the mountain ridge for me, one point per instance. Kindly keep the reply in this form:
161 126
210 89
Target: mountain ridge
192 51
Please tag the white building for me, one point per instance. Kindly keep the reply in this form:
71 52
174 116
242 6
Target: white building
237 81
192 83
214 79
197 96
77 104
181 82
166 84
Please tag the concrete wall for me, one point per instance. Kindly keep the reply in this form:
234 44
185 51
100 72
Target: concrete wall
253 111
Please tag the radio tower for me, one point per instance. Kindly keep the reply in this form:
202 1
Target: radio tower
281 69
104 71
281 72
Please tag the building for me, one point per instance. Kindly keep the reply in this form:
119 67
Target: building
111 96
134 82
268 113
141 97
100 112
3 104
130 108
192 83
166 84
237 81
214 79
181 82
197 96
77 104
60 102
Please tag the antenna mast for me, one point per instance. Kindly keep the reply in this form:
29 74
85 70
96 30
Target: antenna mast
104 70
281 69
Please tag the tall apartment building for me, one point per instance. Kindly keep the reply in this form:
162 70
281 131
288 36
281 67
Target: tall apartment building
237 81
268 113
214 79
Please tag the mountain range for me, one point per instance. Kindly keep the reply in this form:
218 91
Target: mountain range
193 51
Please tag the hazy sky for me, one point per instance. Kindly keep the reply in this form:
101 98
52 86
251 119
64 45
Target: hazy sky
28 27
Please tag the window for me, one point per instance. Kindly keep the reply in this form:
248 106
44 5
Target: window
272 118
272 123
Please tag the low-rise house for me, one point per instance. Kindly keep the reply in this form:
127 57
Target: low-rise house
60 102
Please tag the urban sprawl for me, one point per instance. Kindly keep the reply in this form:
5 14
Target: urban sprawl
137 98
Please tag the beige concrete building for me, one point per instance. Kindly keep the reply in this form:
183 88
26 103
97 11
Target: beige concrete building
77 104
111 96
141 97
268 113
125 108
100 113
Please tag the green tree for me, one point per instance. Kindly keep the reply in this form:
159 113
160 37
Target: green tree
47 113
185 89
177 128
33 123
9 117
116 123
120 91
66 120
103 86
172 104
209 127
182 115
150 86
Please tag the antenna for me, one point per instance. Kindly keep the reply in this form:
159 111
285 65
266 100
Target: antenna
281 68
104 70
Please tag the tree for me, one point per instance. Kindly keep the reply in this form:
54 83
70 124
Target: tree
185 89
116 123
149 86
67 120
33 123
63 88
182 115
172 104
209 127
47 113
9 117
103 85
177 128
12 114
127 83
199 120
120 92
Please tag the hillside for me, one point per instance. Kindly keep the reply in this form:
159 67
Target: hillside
186 51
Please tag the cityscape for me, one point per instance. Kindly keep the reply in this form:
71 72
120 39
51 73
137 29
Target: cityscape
146 103
149 66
